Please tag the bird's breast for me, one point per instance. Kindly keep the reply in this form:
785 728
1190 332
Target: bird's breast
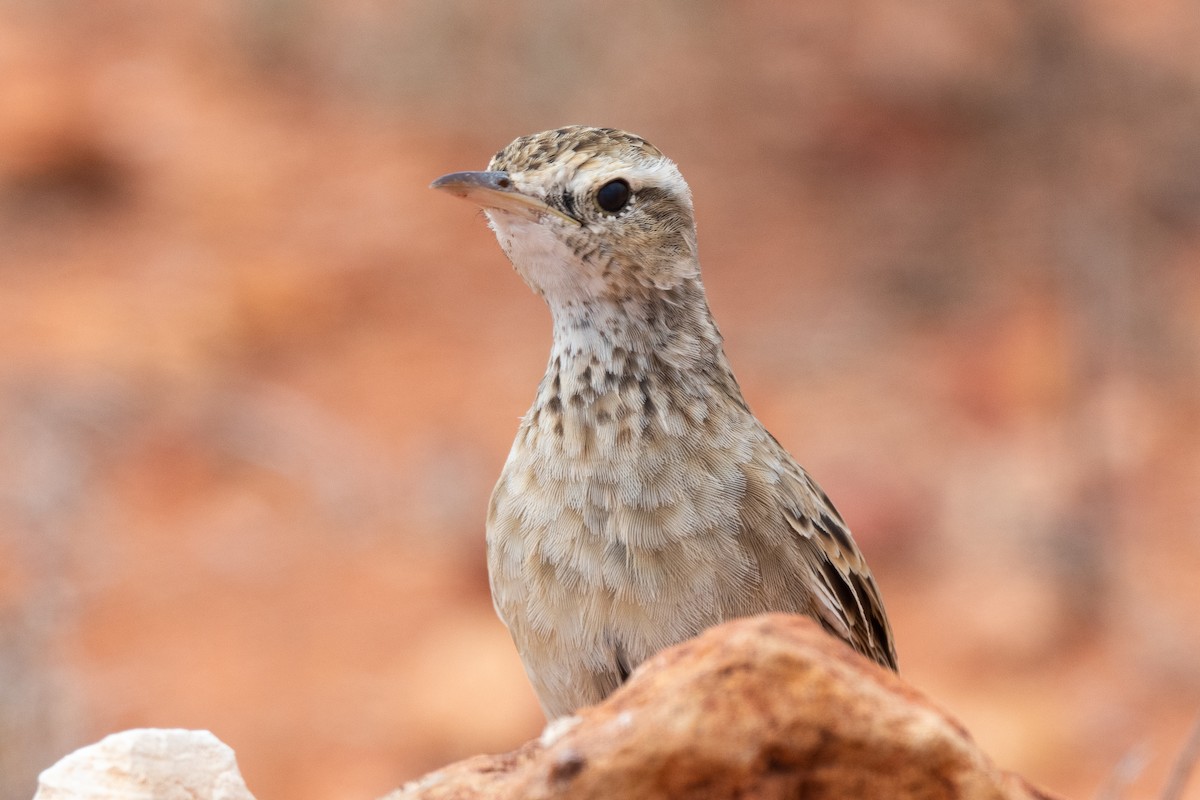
614 470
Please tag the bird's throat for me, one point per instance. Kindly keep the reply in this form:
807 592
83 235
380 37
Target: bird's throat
642 355
673 325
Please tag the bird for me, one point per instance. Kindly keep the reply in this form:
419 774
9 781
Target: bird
642 501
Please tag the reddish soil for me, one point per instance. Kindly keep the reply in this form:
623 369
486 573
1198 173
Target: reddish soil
256 380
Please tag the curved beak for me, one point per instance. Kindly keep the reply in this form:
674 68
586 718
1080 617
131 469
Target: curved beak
496 190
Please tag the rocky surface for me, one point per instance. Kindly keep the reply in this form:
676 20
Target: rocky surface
759 708
769 707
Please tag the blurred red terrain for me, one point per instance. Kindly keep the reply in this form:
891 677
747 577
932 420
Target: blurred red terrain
256 380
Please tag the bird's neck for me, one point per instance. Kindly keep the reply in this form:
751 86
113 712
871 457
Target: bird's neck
665 337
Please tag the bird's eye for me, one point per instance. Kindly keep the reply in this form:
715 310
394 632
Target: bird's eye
613 195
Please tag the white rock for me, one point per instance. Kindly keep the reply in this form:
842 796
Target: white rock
147 763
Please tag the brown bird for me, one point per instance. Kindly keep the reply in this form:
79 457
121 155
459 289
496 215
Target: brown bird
642 501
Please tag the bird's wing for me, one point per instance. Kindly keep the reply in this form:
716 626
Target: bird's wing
846 598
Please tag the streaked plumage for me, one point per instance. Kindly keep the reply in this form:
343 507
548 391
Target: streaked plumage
642 501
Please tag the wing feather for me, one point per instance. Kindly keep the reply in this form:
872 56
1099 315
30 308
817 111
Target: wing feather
849 603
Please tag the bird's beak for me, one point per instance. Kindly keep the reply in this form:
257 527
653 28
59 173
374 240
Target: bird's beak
496 190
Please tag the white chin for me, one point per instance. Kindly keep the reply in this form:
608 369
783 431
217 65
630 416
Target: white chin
543 259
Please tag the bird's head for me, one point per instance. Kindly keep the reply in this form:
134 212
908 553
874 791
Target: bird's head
587 215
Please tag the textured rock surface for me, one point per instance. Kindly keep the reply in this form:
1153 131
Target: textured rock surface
769 707
147 763
760 708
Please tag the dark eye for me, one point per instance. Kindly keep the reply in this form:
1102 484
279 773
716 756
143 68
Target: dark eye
613 196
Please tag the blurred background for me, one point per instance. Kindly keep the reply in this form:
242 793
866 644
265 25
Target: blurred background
256 380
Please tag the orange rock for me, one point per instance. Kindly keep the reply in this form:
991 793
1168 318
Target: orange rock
768 707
